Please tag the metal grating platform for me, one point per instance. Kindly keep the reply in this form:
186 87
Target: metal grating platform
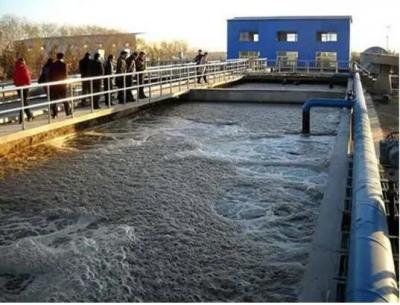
390 192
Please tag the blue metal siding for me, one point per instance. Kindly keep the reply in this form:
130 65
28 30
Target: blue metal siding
306 46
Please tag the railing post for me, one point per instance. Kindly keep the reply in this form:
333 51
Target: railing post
179 81
109 90
170 81
124 87
149 84
137 85
22 112
188 78
49 103
160 81
91 95
224 70
71 90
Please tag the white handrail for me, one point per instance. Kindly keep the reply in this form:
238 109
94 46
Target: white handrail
154 77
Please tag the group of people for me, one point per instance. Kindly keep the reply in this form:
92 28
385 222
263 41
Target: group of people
57 71
89 67
53 71
201 60
126 78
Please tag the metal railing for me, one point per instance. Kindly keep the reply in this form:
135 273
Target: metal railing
299 66
159 81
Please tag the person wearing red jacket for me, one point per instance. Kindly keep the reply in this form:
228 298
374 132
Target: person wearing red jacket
22 77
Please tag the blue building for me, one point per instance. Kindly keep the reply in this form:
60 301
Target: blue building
314 39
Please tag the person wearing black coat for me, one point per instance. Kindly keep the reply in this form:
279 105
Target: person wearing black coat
58 72
120 81
84 70
45 74
130 69
107 83
96 69
141 66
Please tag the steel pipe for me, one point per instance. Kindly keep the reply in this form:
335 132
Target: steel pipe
322 102
371 274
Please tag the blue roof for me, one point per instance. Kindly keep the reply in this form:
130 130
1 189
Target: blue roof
290 18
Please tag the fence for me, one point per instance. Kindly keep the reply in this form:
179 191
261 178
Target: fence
300 66
161 79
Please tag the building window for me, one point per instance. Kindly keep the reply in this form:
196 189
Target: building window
287 58
249 36
287 36
249 54
326 59
327 36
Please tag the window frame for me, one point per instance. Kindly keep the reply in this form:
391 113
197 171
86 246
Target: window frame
326 60
250 54
282 36
249 36
327 36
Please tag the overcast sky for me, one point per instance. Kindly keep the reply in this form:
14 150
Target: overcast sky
202 23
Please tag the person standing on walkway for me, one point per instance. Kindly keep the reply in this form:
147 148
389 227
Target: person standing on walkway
45 75
84 70
120 81
202 70
141 66
107 82
96 69
22 77
198 57
58 72
130 69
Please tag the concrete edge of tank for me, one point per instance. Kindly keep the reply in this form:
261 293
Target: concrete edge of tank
318 283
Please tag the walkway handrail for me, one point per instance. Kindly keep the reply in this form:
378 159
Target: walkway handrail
151 69
153 79
371 274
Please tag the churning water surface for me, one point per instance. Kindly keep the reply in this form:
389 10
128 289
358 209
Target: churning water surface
187 202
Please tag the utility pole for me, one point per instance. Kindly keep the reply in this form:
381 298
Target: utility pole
387 36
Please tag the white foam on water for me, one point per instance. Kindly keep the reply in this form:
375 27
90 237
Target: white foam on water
198 202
